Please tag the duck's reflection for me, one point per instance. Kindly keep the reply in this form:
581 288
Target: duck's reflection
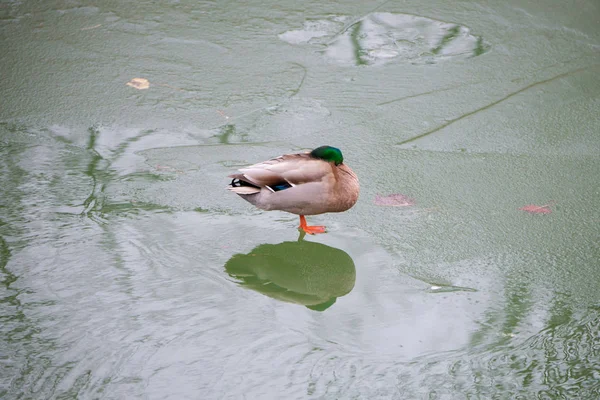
306 273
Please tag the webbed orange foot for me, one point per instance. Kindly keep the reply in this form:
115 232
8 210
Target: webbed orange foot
311 230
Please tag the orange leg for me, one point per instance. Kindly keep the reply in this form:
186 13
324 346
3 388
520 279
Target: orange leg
311 230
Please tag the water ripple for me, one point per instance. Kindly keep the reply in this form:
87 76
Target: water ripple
382 37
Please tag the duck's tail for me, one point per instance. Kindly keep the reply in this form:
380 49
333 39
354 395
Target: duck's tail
242 187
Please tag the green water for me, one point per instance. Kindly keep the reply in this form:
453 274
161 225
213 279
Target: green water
128 271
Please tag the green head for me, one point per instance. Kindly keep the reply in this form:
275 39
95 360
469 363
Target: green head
328 153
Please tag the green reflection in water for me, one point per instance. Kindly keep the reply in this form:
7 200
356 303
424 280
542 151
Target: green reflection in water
225 132
102 174
355 35
25 352
480 47
452 33
306 273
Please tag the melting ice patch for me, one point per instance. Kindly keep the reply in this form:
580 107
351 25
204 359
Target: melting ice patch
383 37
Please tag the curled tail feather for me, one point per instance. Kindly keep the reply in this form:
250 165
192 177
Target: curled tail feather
242 187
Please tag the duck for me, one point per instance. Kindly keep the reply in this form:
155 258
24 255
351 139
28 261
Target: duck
309 183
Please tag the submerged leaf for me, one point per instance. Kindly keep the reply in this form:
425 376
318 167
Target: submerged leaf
139 83
222 114
91 27
394 200
533 209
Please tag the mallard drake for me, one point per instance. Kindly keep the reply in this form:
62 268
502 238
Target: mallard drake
310 183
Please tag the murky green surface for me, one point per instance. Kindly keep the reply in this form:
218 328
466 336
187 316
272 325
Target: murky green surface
128 271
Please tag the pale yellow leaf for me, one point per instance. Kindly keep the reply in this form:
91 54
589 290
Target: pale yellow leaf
139 83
